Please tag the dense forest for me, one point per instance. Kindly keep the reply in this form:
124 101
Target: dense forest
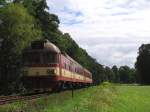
23 21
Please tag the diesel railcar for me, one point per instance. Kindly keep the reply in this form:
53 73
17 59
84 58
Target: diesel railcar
47 68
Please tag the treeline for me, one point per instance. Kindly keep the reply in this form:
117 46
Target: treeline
142 64
23 21
123 74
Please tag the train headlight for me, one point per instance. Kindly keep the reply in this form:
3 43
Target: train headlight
50 71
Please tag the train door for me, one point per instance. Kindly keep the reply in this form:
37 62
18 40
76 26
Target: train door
60 64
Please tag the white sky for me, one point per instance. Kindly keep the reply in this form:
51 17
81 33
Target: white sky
110 30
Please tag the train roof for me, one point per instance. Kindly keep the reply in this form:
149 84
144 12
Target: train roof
44 45
68 57
77 63
87 71
50 46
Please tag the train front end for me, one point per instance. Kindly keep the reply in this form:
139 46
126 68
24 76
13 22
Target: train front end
41 66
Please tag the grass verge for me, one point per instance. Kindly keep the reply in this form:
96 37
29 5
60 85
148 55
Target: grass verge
104 98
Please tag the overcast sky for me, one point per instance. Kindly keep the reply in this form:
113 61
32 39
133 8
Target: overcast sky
110 30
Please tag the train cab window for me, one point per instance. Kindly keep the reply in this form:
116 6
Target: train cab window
49 57
32 58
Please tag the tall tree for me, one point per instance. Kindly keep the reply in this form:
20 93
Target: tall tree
116 74
143 64
133 76
39 9
110 74
127 74
17 30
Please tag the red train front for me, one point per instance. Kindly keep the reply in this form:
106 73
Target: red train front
45 67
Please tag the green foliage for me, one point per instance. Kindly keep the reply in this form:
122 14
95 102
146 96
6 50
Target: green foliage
116 74
18 27
17 30
127 75
143 64
106 83
124 74
37 8
110 74
33 6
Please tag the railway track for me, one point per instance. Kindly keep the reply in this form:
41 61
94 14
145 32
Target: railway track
10 99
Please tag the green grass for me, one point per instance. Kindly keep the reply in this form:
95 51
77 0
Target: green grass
132 99
103 98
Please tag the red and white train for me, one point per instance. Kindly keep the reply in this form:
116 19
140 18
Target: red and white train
46 67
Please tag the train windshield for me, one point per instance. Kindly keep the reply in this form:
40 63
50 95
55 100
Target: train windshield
49 57
32 58
39 58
